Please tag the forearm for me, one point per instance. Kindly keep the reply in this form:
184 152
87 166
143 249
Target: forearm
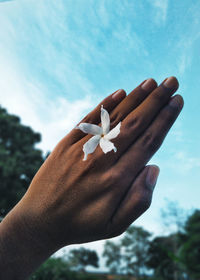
20 250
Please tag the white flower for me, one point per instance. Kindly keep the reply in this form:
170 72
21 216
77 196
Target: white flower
102 135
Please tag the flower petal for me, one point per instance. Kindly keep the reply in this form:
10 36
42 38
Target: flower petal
90 128
105 120
106 145
113 133
90 145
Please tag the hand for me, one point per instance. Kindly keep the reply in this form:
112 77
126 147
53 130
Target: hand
75 201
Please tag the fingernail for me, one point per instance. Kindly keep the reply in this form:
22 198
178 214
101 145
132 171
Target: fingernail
174 102
148 85
152 176
171 82
118 94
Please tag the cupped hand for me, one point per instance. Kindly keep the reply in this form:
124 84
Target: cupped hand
74 201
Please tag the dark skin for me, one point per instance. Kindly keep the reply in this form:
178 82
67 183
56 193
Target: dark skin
73 201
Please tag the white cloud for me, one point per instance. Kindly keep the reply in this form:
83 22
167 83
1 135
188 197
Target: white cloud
129 40
53 118
27 93
182 63
186 162
184 48
177 160
161 8
45 46
188 38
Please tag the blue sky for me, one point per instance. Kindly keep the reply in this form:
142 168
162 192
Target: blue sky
58 59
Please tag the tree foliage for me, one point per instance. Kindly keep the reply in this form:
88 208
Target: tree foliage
162 258
172 257
130 253
60 269
136 244
177 256
82 257
173 217
19 159
112 254
54 269
190 249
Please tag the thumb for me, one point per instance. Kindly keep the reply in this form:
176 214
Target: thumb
137 199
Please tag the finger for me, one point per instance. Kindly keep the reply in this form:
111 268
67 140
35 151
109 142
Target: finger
150 141
132 100
155 101
154 136
136 200
127 104
140 118
109 103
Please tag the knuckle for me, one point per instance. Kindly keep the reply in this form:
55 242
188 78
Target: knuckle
151 141
115 119
133 123
110 177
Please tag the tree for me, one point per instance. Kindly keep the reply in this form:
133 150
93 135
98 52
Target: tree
112 253
135 243
192 225
54 269
129 255
177 255
80 258
162 260
174 218
19 159
190 250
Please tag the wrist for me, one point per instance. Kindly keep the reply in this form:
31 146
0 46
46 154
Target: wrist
23 247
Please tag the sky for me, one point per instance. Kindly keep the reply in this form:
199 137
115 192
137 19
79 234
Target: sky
59 59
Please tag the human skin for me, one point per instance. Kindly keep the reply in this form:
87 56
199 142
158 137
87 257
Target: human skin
71 201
